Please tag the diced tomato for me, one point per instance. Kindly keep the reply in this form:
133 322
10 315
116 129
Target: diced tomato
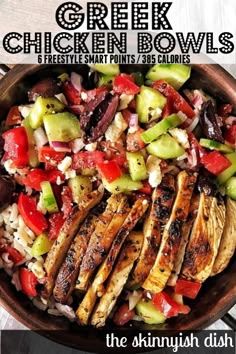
225 110
14 254
168 109
72 95
28 282
16 146
147 188
87 159
34 178
53 176
128 77
134 141
57 191
124 85
33 218
123 315
167 306
215 162
91 94
230 135
56 222
67 200
177 101
109 170
49 155
14 117
187 288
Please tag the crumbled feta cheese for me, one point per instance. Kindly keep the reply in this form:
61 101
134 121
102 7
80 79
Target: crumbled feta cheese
181 136
154 171
70 174
59 181
124 101
65 164
154 114
84 96
91 147
116 128
25 110
61 97
9 167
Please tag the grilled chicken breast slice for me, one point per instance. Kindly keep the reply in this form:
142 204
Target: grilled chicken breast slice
228 239
162 201
111 220
204 240
97 288
61 245
118 278
69 269
161 271
186 230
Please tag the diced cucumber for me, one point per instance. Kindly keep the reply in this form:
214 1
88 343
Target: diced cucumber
137 167
32 151
42 107
150 103
230 188
61 127
124 184
88 172
41 245
160 128
215 145
175 74
80 186
165 147
108 69
148 312
105 79
49 199
230 171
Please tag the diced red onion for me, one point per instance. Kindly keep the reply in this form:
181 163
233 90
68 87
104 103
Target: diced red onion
231 120
76 109
133 122
193 124
134 298
61 97
76 81
76 145
197 102
40 137
60 146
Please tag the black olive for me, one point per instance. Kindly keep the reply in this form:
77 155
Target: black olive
7 188
91 83
209 124
46 88
206 184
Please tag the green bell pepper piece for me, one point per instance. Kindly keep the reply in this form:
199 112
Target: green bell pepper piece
49 199
124 184
43 106
230 171
149 101
215 145
41 245
160 128
165 148
61 127
137 167
175 74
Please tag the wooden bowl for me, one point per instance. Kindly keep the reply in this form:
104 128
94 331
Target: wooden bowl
217 295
